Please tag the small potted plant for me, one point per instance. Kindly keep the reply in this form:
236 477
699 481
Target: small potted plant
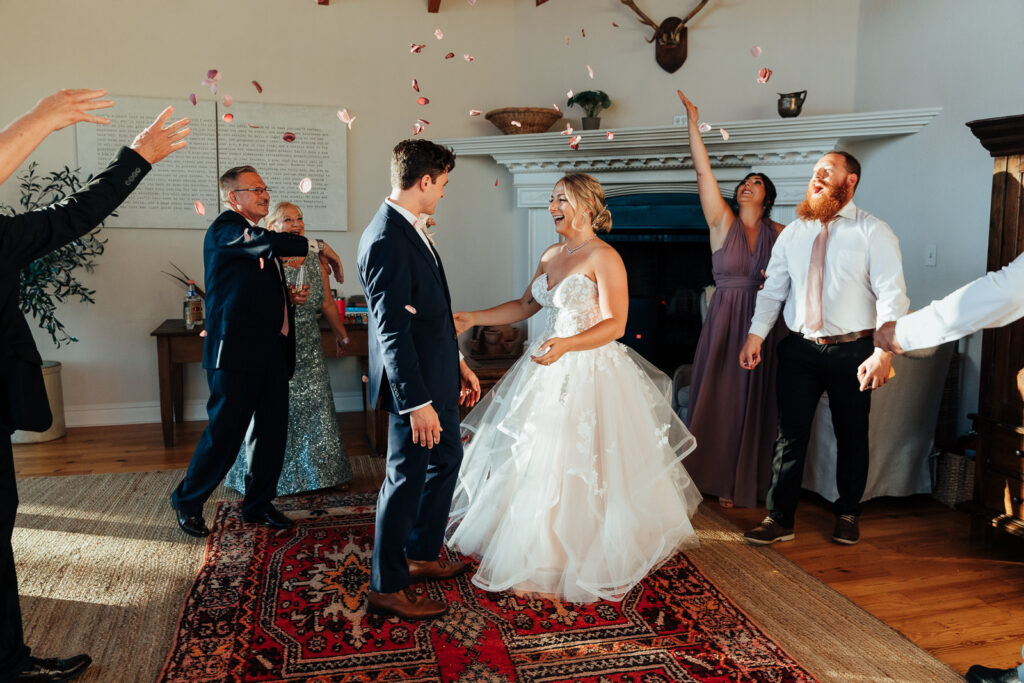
591 102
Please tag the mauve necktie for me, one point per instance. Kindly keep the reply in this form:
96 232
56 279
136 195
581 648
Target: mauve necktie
816 280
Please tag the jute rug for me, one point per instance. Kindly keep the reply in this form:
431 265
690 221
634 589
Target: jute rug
104 569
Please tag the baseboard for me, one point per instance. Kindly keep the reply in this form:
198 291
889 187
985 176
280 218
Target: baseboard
105 414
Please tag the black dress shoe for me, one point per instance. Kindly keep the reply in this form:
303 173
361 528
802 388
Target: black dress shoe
55 669
193 525
271 517
983 674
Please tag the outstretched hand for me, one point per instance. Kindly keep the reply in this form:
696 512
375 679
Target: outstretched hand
691 109
161 139
65 107
463 321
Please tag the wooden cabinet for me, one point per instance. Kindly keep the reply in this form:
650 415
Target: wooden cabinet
999 492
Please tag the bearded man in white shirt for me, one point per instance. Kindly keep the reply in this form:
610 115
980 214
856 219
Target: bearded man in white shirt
835 274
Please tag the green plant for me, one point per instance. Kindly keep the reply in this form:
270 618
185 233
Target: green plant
590 101
51 279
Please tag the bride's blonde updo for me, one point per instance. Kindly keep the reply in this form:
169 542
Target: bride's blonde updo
584 190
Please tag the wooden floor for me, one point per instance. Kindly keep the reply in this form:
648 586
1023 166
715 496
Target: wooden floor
914 567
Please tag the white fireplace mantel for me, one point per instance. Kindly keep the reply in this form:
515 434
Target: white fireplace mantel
657 159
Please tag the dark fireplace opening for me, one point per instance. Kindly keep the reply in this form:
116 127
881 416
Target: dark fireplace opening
664 242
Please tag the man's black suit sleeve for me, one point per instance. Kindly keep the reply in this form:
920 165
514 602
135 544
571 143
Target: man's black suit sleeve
28 236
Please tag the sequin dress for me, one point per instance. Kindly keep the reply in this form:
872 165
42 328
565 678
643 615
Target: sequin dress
314 456
571 483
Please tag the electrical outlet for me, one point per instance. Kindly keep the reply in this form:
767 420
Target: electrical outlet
679 120
931 254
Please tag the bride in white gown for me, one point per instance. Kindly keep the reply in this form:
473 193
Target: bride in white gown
571 483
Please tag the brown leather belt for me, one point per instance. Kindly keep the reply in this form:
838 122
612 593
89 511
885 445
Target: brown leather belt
837 339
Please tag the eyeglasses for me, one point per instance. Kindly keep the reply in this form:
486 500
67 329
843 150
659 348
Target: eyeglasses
257 190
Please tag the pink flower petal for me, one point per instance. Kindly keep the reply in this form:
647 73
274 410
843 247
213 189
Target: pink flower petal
410 309
288 137
568 129
556 108
228 118
323 2
725 133
346 118
200 209
366 379
569 94
305 185
566 38
575 142
417 128
252 125
704 127
495 182
261 263
415 85
228 100
424 122
422 101
449 55
470 2
590 72
475 112
610 135
416 47
213 88
614 25
584 32
516 124
245 235
192 98
213 75
202 333
439 34
755 51
764 74
259 88
468 57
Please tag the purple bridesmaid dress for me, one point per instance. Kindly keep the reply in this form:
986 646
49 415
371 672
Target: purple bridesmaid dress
732 411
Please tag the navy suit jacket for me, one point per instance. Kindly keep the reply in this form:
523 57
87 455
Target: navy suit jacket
25 238
246 293
413 353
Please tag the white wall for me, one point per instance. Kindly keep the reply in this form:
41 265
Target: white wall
935 187
354 53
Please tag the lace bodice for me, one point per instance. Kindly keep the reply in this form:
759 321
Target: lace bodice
572 304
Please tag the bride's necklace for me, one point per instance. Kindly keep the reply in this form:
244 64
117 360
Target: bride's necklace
573 250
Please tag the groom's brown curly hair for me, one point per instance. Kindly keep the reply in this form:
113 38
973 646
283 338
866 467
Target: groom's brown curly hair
414 158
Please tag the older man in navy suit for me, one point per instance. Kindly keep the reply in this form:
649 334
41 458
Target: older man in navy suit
416 372
248 354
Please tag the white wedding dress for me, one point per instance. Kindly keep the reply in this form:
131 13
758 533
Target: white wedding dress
571 483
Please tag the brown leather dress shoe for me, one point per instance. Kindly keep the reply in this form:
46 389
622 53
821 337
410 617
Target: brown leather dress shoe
405 604
434 569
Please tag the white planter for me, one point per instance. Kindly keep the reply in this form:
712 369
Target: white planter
55 394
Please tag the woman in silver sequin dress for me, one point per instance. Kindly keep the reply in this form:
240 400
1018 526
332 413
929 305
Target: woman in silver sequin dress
315 456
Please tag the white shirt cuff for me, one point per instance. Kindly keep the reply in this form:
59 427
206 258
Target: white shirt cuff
314 245
409 410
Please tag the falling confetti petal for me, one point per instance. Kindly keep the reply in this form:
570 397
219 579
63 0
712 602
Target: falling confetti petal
305 185
449 55
213 75
346 118
556 108
566 38
516 124
755 51
569 94
365 379
439 34
495 182
410 309
261 263
468 57
245 234
704 127
417 128
252 125
614 25
288 137
415 85
416 47
228 100
575 142
590 72
228 118
724 132
424 122
202 333
323 2
200 209
422 100
568 129
475 112
192 98
584 32
764 74
610 135
470 2
259 88
213 88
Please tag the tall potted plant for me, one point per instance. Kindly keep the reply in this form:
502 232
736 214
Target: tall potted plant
591 102
52 279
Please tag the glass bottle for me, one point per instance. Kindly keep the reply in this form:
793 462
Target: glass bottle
192 307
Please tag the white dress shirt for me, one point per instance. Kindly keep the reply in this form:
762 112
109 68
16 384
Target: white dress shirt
863 285
993 300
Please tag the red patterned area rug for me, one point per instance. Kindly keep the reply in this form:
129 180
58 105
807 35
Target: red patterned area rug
289 606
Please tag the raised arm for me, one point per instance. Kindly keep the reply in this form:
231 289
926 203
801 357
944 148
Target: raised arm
716 210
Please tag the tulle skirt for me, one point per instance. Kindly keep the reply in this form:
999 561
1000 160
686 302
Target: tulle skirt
572 483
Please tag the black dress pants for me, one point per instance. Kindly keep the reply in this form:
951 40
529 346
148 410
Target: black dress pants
13 651
806 370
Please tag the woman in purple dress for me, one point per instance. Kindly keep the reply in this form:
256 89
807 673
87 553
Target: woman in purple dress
731 411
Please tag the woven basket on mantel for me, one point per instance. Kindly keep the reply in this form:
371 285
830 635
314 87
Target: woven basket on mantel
531 119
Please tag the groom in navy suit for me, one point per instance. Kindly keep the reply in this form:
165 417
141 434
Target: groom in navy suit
417 374
248 354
